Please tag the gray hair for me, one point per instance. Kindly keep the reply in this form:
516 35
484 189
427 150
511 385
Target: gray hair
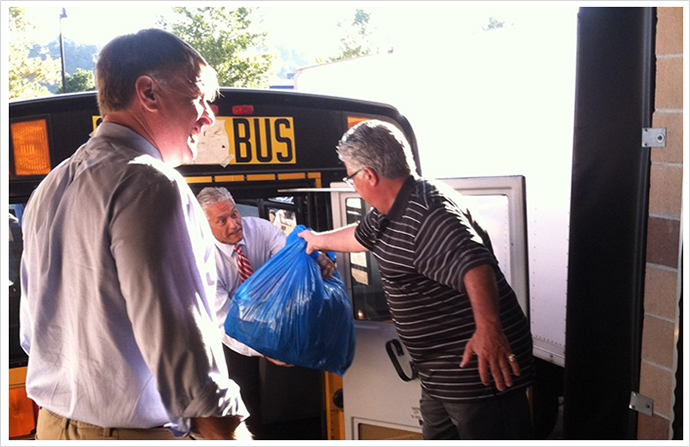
379 146
210 196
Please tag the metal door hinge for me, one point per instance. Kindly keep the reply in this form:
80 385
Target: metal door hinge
642 404
653 137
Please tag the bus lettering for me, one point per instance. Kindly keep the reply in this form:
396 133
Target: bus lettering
264 153
286 155
261 140
242 142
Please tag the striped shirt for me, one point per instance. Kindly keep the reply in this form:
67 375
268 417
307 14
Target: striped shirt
424 247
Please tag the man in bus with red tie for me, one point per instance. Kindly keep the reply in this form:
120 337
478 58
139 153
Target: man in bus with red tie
243 245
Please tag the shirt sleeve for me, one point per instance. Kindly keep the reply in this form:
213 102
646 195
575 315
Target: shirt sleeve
366 230
448 246
223 306
273 238
166 268
240 347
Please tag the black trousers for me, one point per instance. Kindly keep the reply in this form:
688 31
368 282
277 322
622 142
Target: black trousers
244 371
503 417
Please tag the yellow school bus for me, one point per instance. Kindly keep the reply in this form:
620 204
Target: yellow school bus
274 150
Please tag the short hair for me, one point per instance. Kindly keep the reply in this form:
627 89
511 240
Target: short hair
209 196
379 146
153 52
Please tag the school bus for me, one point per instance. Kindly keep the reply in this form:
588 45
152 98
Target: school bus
274 150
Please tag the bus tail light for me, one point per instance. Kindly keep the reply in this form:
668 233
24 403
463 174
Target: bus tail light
31 151
242 110
353 120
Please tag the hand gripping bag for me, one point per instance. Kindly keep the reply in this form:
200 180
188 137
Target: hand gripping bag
288 312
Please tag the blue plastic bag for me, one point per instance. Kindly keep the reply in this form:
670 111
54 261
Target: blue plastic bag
288 312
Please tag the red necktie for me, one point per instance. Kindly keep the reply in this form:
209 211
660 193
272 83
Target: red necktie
243 266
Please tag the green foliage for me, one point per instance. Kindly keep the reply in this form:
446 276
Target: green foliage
225 38
493 24
289 60
82 81
28 76
355 43
77 55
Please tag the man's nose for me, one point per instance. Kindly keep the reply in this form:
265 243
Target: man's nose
208 118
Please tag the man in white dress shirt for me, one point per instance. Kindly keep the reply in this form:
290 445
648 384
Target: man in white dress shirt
258 240
118 271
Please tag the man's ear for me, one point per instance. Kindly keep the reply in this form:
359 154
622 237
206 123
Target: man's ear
371 177
147 94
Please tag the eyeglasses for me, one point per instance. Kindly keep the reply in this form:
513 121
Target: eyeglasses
350 179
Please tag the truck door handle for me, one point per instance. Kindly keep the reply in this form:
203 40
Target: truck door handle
390 345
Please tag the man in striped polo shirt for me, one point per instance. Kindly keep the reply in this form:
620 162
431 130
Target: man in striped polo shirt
452 307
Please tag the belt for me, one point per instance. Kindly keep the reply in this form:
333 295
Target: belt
106 431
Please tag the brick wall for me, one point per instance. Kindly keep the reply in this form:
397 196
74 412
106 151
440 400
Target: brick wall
663 277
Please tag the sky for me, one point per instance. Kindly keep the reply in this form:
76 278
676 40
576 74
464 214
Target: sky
86 24
309 27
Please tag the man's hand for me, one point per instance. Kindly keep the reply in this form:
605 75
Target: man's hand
310 237
488 342
327 266
341 240
216 427
494 357
278 362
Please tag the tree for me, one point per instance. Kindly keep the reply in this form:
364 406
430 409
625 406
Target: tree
225 38
77 56
356 43
81 81
494 24
289 60
28 76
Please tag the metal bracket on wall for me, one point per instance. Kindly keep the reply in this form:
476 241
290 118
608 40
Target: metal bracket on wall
653 137
641 404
